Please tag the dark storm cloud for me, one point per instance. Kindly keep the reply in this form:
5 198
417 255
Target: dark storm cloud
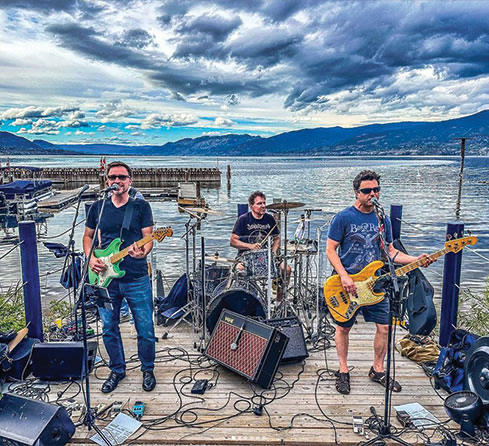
202 36
216 26
89 42
41 5
330 47
137 38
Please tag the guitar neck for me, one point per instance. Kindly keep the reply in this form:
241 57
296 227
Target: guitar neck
121 254
417 263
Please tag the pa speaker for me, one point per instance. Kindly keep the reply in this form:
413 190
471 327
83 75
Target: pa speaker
250 348
296 349
26 422
476 369
61 361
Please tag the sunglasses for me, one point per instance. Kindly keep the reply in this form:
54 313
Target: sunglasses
367 190
121 177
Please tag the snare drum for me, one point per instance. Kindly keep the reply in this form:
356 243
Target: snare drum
256 264
242 297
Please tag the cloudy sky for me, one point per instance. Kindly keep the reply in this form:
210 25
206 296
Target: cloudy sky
152 71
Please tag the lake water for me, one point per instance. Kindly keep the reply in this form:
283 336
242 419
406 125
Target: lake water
427 188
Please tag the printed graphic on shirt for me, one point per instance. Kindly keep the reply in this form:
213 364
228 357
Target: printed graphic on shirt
363 245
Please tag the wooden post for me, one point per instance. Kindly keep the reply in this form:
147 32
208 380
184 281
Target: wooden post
396 217
30 277
451 283
229 176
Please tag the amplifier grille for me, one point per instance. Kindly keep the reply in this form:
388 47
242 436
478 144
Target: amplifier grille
246 358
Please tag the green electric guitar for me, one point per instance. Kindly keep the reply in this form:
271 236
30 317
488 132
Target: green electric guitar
111 256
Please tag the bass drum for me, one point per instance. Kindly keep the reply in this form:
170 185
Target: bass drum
242 297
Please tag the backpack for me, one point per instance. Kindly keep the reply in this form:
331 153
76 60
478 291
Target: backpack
449 369
419 304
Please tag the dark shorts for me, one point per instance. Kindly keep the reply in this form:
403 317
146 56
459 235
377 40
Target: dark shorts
378 313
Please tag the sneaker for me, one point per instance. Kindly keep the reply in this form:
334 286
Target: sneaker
343 382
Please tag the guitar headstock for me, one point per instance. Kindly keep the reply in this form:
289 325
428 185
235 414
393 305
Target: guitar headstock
160 233
457 244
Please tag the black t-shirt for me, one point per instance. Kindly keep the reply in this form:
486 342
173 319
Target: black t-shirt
253 230
110 229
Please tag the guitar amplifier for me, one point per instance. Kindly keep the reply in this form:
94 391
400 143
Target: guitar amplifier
247 347
61 361
296 349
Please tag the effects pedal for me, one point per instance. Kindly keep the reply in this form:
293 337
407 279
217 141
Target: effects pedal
358 425
138 409
404 418
200 386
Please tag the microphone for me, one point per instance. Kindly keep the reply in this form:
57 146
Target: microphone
115 186
375 202
83 189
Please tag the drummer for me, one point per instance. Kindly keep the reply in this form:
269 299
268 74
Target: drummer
251 230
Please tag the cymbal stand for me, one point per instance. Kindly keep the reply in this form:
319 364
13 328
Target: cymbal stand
319 289
191 307
269 278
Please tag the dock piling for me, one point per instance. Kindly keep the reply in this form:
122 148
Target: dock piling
451 282
30 277
396 217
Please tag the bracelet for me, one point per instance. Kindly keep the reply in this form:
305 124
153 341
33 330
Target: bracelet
395 255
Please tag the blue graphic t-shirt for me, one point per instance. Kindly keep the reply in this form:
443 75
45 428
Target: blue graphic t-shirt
358 235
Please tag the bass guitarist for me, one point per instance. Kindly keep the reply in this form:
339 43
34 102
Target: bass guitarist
130 220
354 242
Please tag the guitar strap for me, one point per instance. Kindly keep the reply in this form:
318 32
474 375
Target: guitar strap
127 217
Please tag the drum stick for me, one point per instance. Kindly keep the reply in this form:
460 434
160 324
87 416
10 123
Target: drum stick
268 235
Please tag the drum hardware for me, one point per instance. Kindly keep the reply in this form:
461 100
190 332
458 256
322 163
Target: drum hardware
201 210
192 306
218 259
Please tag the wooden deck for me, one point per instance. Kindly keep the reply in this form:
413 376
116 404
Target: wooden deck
223 415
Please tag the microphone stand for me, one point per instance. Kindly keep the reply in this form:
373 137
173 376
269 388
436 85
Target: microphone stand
70 252
89 419
394 296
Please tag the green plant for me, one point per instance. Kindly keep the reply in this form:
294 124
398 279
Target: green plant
12 314
476 316
55 310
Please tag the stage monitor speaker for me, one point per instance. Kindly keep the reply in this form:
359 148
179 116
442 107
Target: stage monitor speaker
250 348
26 422
476 369
21 360
61 361
296 349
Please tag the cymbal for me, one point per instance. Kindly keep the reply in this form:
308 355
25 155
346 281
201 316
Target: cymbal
219 259
306 220
204 211
285 205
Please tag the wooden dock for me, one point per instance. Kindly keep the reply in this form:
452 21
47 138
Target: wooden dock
142 177
301 408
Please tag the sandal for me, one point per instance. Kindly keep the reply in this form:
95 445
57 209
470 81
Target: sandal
379 377
343 382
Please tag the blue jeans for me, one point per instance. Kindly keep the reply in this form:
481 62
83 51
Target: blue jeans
139 297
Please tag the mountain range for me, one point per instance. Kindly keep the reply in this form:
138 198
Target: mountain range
402 138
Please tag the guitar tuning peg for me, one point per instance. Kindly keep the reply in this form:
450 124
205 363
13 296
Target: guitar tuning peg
449 236
469 232
455 235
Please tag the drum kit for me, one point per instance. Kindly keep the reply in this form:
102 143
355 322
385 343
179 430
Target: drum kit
245 284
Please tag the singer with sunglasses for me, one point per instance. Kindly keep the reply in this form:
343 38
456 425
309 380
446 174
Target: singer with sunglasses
353 243
130 220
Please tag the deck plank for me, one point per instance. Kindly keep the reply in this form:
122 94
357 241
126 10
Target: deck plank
247 428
